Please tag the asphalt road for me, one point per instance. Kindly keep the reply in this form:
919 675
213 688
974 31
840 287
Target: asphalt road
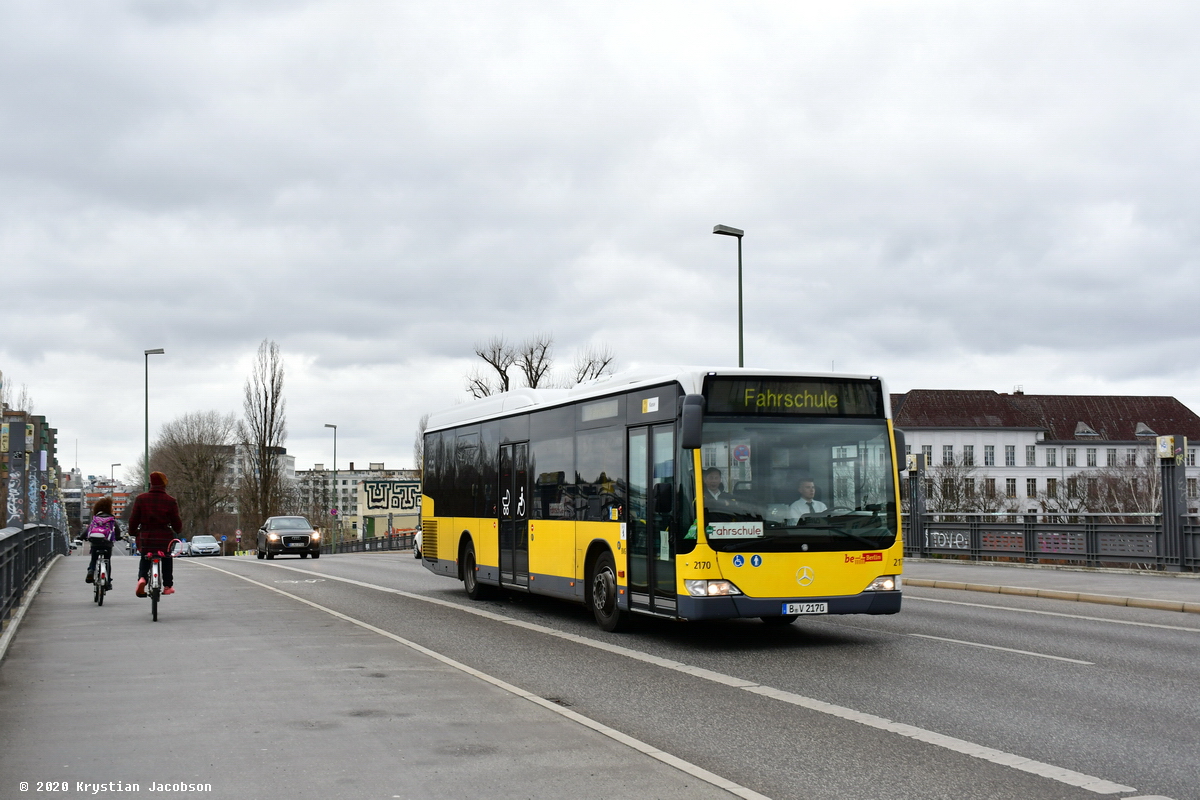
1099 692
961 695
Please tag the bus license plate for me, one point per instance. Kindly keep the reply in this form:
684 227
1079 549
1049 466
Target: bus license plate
806 608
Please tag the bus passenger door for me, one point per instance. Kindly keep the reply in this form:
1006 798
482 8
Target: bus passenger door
514 502
649 530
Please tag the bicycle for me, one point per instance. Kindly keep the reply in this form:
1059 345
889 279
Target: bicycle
101 579
154 584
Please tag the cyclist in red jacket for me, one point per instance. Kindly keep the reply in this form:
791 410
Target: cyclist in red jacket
155 522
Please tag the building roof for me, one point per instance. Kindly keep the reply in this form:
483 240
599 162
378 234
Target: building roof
1062 417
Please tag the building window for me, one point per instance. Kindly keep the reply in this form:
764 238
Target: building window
1030 455
1072 488
1052 487
989 455
1051 456
1093 488
968 455
929 487
989 487
1010 455
1091 456
969 486
1193 489
927 451
1191 457
1010 487
1071 457
948 455
1131 456
1112 456
1031 487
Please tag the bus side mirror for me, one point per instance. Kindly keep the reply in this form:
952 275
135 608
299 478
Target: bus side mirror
901 461
693 417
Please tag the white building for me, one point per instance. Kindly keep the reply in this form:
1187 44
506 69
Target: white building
1026 448
319 495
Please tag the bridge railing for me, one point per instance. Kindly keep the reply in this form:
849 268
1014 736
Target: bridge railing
23 554
1093 540
397 541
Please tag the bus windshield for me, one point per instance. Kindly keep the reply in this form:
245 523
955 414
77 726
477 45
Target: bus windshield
788 484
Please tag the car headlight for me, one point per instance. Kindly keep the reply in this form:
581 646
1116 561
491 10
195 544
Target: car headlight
272 537
702 588
316 535
884 583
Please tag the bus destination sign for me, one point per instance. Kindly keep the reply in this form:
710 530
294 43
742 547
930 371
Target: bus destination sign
822 397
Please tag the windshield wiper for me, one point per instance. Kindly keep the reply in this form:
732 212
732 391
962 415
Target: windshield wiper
871 545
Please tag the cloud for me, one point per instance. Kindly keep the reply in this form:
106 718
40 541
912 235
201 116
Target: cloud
946 195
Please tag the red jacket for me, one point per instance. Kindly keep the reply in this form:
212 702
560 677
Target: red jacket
155 520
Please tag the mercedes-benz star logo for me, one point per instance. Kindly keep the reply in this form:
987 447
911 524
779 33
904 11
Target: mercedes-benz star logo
805 576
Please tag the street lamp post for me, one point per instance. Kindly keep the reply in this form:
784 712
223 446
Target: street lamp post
146 462
333 542
725 230
113 473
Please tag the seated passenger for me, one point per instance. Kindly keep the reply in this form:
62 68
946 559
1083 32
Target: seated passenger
807 504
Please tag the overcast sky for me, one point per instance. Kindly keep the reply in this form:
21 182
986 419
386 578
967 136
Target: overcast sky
949 195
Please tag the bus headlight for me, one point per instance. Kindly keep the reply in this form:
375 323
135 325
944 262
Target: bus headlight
884 583
710 588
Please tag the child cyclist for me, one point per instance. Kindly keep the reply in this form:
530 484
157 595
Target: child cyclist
101 533
155 522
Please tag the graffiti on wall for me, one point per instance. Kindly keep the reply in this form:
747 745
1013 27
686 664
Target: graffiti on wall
393 495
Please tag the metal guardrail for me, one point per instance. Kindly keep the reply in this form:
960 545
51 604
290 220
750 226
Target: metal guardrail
23 554
1091 540
399 541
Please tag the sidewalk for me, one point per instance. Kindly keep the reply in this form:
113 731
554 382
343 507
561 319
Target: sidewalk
1165 591
238 692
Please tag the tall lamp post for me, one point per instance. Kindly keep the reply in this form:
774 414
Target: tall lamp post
333 543
146 463
725 230
113 473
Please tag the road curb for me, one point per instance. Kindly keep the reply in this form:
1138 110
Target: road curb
1056 594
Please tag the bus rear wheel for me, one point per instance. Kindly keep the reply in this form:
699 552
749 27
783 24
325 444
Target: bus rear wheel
605 609
470 577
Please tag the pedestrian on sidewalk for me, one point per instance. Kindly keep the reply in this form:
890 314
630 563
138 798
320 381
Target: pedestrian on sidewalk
155 523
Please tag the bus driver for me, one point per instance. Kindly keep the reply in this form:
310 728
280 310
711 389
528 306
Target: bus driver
807 504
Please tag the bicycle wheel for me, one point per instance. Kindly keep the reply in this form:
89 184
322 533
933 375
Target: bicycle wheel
154 605
96 592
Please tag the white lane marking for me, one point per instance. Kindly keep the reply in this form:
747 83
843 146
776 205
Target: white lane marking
908 596
625 739
1069 777
1005 649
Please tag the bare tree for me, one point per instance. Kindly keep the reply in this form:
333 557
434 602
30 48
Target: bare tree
262 433
195 451
1129 488
593 361
498 354
535 358
960 488
419 443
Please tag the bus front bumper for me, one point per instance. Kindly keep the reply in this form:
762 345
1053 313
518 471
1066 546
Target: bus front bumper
731 607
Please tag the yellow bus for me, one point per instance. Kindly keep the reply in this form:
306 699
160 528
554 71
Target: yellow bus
685 493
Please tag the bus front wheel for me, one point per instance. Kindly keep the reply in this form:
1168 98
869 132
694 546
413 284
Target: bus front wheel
604 594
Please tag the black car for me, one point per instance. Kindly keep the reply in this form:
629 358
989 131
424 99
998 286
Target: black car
288 535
